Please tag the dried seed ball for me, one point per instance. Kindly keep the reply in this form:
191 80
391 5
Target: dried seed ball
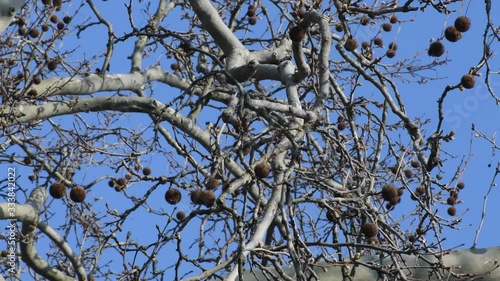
52 65
390 54
365 44
67 19
468 81
34 33
128 176
394 169
460 185
196 197
252 20
181 215
387 26
208 198
452 211
351 44
45 27
174 66
54 19
173 196
111 183
57 190
451 201
369 229
118 188
37 80
436 49
60 26
419 191
4 253
121 182
32 177
439 176
251 12
415 164
46 2
245 150
378 42
462 24
393 19
408 173
21 21
395 200
412 238
301 13
339 27
333 216
452 34
22 31
341 125
57 2
27 160
389 192
454 194
212 183
364 20
297 33
77 194
146 171
33 93
393 46
262 170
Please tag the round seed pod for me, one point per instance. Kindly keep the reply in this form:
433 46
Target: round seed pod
196 197
364 20
369 229
208 198
372 241
334 216
436 49
33 93
452 211
387 26
174 66
54 19
462 24
408 173
415 164
468 81
451 201
57 2
365 45
389 192
351 44
341 125
252 20
45 27
181 215
452 34
128 176
22 31
395 200
419 191
121 182
173 196
454 194
34 33
52 65
439 176
339 27
401 191
57 190
394 169
27 160
393 19
250 12
67 19
4 253
378 42
460 185
60 25
393 46
301 13
77 194
390 54
262 170
212 183
297 33
37 80
146 171
412 238
118 188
